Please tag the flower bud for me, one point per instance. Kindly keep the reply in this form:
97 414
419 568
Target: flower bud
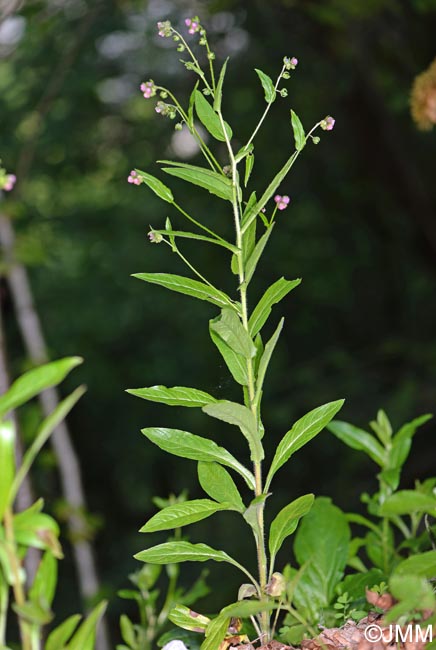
276 586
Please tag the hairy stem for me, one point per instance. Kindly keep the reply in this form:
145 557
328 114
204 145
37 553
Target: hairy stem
260 538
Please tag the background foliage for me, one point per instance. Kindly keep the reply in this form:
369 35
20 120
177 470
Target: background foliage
361 231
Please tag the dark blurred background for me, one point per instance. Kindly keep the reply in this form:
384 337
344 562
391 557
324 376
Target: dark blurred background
360 231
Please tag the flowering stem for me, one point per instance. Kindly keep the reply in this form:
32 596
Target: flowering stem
194 60
198 224
264 617
265 113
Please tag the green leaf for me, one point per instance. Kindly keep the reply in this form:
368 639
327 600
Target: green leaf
287 520
127 631
161 190
405 502
176 552
189 287
236 363
35 381
244 152
413 593
266 358
421 564
358 439
33 613
45 430
321 546
44 584
210 119
251 515
84 638
247 608
271 297
249 164
299 135
219 485
177 396
215 633
191 235
191 107
256 254
185 618
7 464
211 181
219 87
187 445
402 441
59 636
243 418
37 529
267 85
182 514
302 431
230 329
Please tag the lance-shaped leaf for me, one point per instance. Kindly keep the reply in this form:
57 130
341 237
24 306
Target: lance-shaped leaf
287 520
176 552
236 363
35 381
230 329
7 464
35 528
271 297
247 608
172 234
210 119
219 485
185 618
266 358
406 502
299 135
182 514
207 179
44 584
421 564
215 632
219 87
180 284
188 445
176 396
302 431
57 639
256 254
249 164
84 638
243 418
358 439
267 85
402 441
161 190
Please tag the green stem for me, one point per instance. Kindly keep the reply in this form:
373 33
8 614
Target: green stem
265 113
260 541
4 601
198 224
17 587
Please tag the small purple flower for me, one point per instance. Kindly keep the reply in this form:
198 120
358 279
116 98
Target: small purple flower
282 202
290 62
148 89
193 24
164 28
134 178
328 123
294 61
9 182
155 237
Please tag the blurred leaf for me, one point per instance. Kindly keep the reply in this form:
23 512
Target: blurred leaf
406 502
60 635
7 464
44 584
84 637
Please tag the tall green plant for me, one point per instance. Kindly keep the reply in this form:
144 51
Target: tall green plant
237 332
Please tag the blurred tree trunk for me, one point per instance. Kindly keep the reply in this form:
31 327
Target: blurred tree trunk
69 469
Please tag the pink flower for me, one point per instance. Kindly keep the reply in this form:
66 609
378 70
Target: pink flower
9 182
193 24
134 178
328 123
294 61
164 28
282 202
148 89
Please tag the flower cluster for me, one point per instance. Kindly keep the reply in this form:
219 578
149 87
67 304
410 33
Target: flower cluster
423 98
193 24
7 181
327 123
165 28
282 202
290 62
167 110
148 89
134 178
